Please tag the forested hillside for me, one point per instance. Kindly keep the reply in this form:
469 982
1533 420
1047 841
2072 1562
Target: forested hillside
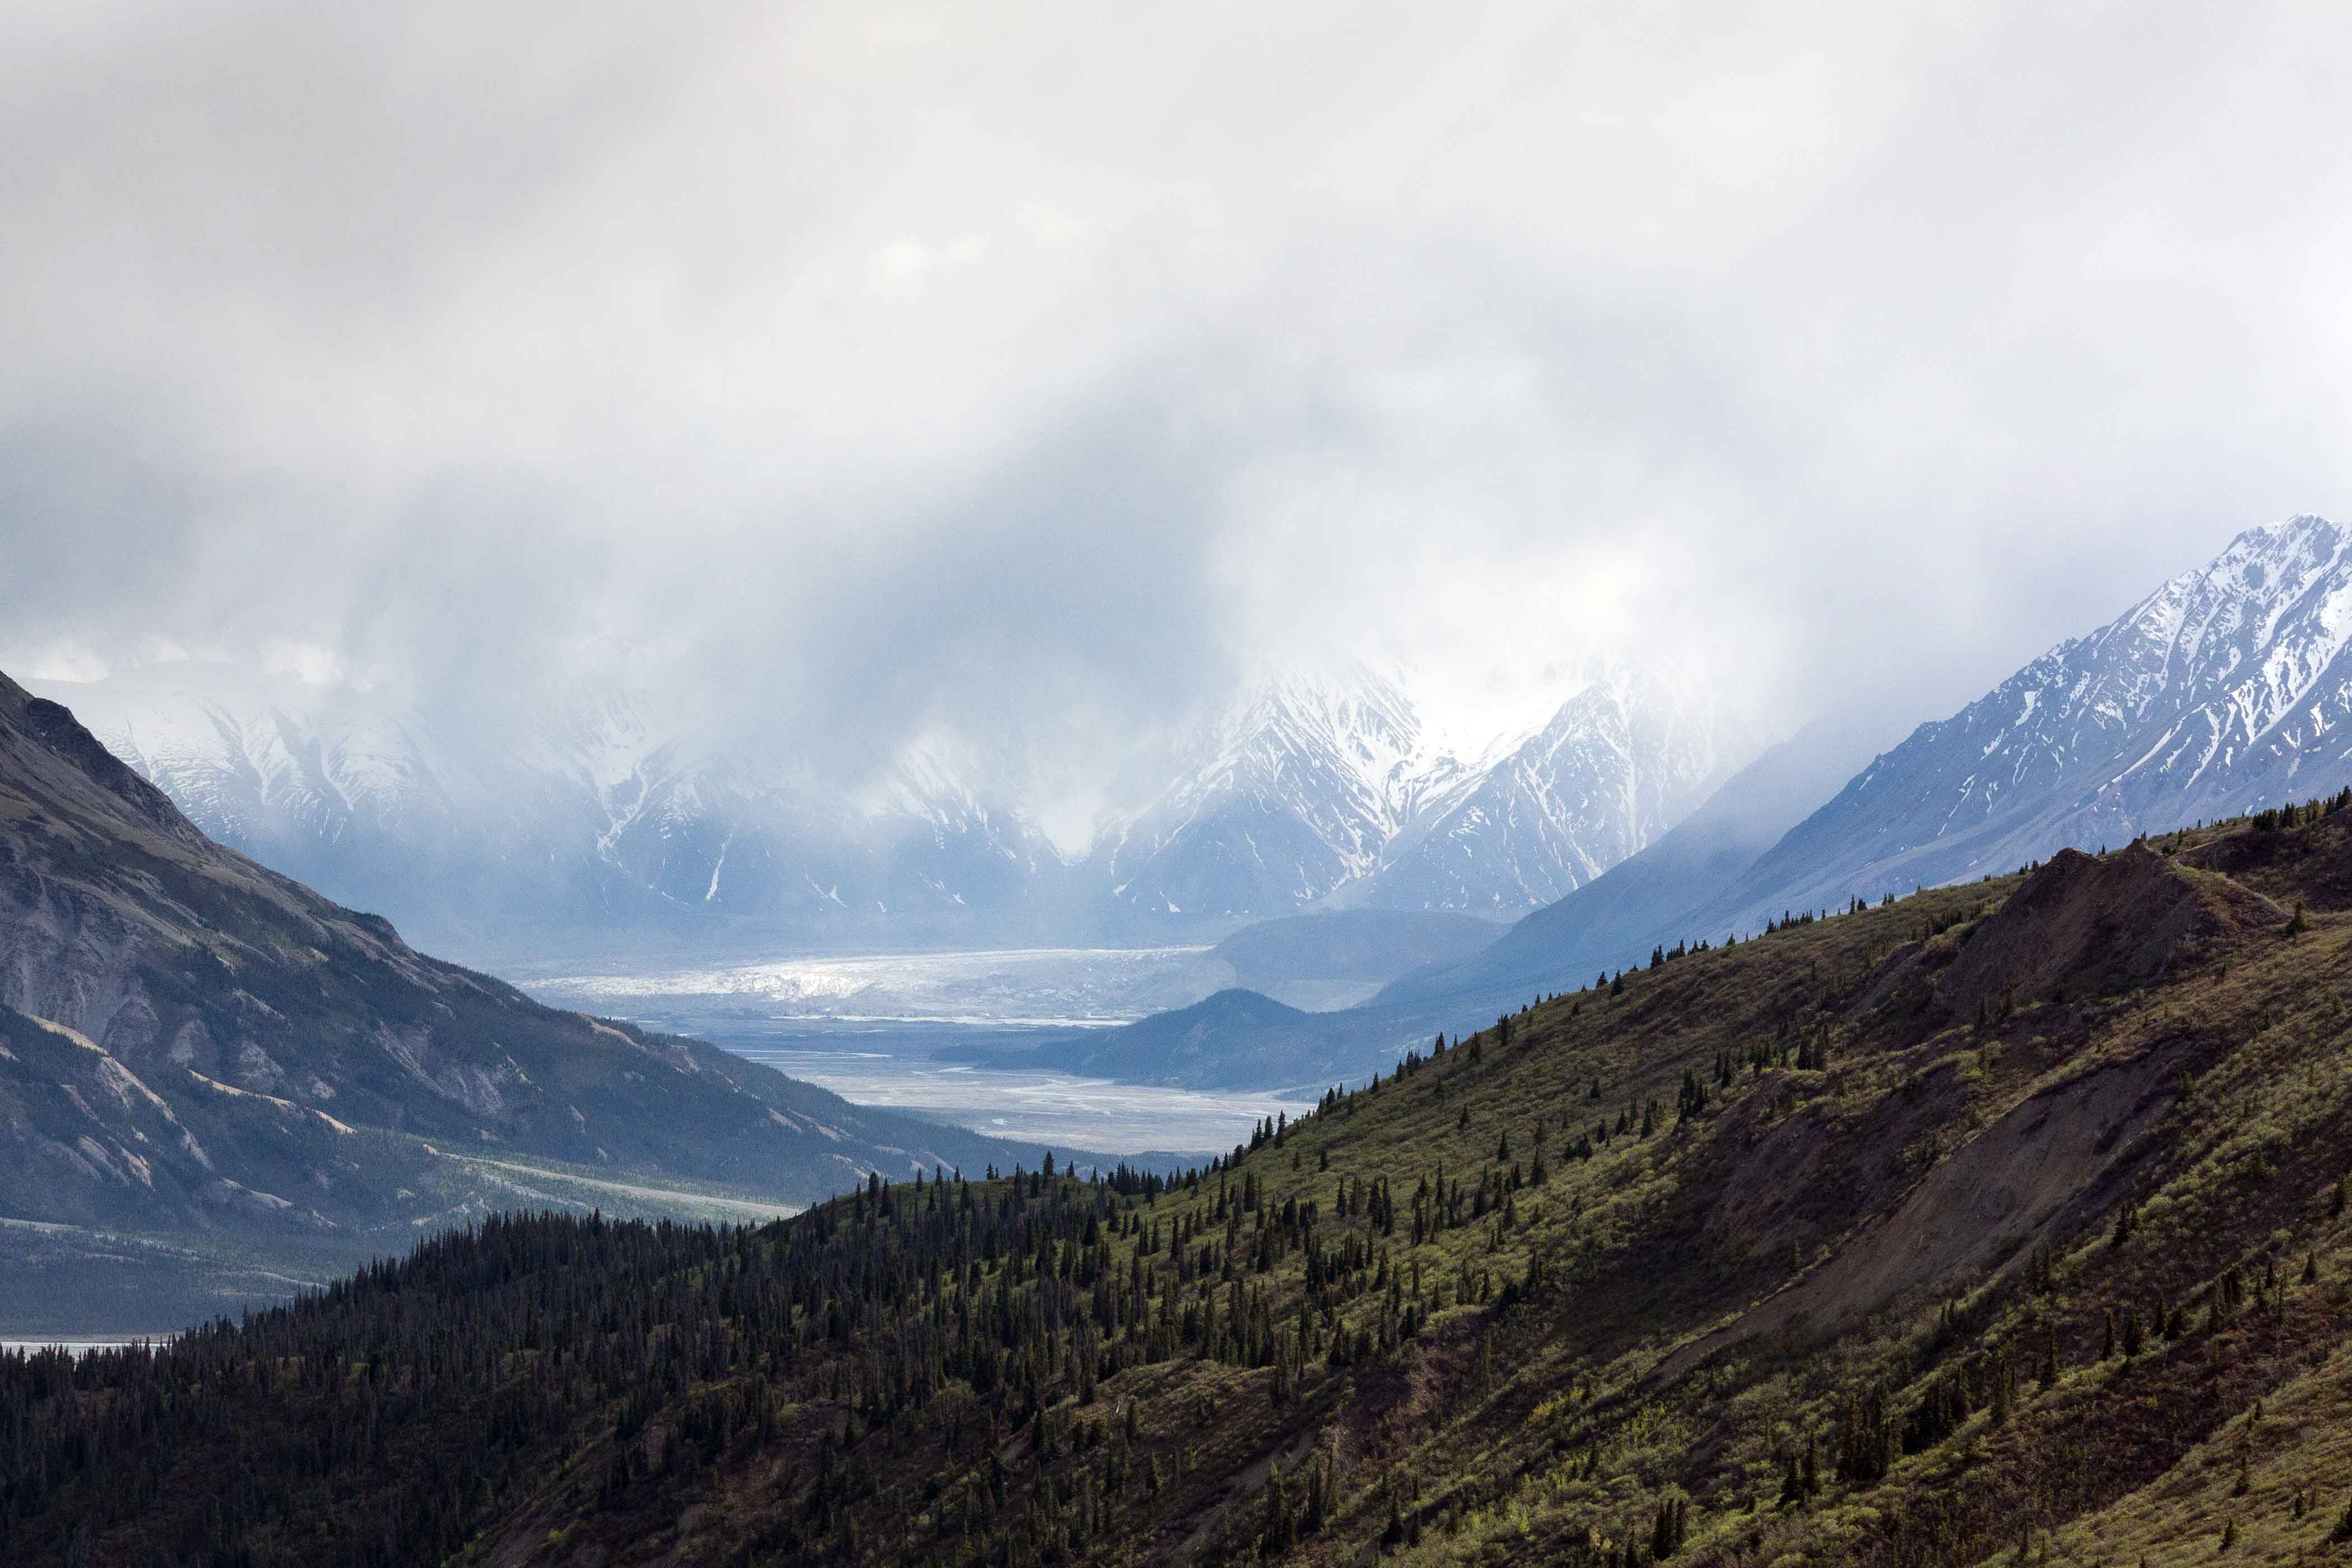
2005 1221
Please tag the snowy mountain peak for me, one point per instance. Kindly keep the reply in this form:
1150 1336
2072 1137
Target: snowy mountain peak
1620 763
2262 619
2227 689
1338 714
1321 786
605 807
1288 793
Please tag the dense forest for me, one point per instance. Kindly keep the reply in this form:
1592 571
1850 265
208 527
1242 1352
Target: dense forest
2004 1221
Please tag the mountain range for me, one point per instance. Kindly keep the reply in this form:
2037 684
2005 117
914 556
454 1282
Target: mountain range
598 820
2225 691
196 1047
1624 824
2000 1216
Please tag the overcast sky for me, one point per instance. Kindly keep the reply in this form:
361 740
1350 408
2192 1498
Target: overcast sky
1036 366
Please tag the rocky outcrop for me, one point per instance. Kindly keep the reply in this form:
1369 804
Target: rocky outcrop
2097 925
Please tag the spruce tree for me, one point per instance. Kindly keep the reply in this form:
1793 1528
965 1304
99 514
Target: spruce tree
1277 1536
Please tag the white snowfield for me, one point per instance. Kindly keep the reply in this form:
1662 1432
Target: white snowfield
1018 987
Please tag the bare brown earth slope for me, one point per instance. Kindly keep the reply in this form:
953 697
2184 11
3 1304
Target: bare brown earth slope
2003 1223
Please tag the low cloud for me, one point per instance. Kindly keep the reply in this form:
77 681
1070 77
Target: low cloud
858 374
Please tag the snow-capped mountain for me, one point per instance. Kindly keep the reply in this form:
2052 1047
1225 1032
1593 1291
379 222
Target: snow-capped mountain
591 814
1293 793
2227 689
601 810
319 782
1621 763
1320 784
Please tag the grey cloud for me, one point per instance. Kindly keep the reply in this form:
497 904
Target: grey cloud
860 369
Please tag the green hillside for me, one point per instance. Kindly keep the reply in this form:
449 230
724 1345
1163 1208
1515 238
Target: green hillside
2006 1221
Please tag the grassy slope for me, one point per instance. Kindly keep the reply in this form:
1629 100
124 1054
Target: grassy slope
1539 1428
1716 1302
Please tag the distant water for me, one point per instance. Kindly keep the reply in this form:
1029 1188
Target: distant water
894 1064
82 1346
1040 1107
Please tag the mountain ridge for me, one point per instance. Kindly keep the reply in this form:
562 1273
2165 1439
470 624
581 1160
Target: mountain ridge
2124 731
196 1044
1617 765
2088 745
1317 786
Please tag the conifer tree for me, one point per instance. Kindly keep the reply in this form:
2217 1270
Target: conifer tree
1276 1536
1669 1527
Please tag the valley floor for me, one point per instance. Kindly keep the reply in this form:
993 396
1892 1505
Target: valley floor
900 1067
878 1029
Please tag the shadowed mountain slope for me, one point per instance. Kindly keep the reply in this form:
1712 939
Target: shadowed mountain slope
1196 1047
1351 944
1336 958
192 1041
2100 924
